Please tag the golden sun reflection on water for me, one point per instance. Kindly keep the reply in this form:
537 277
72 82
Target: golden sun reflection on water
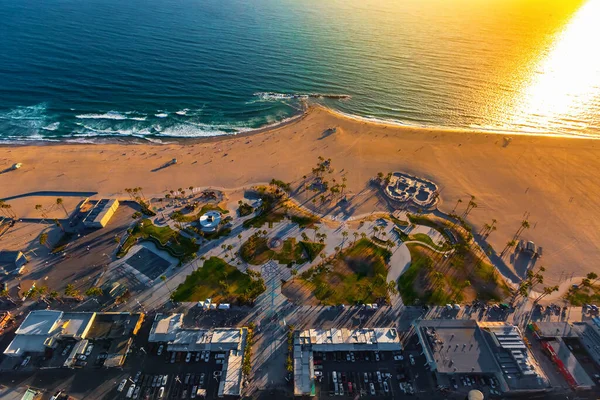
565 85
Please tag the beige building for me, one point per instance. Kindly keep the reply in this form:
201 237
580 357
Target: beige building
101 213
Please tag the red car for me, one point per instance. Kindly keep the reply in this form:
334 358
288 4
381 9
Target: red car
349 387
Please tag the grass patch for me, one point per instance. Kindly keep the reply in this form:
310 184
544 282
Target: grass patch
421 237
357 275
398 222
381 242
270 211
431 279
439 226
304 221
221 282
165 238
401 234
312 249
245 209
256 251
583 295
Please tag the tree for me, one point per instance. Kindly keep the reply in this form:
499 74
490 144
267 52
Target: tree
71 291
57 222
164 279
456 205
44 239
509 244
355 234
94 292
59 202
547 290
392 288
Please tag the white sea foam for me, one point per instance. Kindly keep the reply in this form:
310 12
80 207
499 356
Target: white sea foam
51 127
182 112
161 115
110 115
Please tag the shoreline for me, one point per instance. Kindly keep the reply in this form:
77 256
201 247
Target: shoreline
307 109
551 181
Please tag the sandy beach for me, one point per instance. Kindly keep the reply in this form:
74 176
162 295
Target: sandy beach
552 180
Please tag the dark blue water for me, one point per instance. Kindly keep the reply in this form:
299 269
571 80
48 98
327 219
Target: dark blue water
76 70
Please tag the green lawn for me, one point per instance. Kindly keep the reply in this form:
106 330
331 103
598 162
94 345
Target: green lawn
357 275
421 237
269 212
304 221
256 251
583 295
440 281
399 222
165 238
221 282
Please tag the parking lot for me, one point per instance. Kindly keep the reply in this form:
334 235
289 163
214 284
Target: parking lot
371 374
172 375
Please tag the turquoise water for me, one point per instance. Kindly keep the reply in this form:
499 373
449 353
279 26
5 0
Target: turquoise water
157 69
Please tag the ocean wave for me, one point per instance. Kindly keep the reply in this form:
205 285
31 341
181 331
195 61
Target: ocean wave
275 96
182 112
110 115
161 115
51 127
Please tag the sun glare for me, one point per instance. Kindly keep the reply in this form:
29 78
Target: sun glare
567 79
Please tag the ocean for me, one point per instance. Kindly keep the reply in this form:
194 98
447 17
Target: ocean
73 70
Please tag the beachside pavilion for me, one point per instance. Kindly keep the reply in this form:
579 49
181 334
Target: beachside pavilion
168 329
43 330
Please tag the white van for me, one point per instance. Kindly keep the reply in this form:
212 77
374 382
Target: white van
122 385
130 391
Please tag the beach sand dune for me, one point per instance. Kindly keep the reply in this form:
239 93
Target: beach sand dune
555 181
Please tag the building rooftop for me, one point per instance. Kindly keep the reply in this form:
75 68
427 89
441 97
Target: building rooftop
39 322
165 327
76 324
571 363
114 325
456 346
385 339
230 384
555 329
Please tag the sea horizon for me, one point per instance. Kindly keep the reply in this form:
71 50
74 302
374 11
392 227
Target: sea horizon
165 70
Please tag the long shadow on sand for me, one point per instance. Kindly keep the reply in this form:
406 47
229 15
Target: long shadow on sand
51 193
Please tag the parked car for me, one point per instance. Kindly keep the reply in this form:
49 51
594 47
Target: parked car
206 356
366 378
122 385
173 357
201 383
378 376
386 388
89 349
164 380
136 392
334 377
377 356
186 380
188 357
130 391
372 388
197 357
161 392
160 350
412 359
352 357
66 350
193 393
137 376
25 361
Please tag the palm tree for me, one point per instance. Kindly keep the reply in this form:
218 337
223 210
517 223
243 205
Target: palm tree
316 228
57 222
39 208
456 205
355 234
164 279
509 244
547 290
44 240
59 202
524 225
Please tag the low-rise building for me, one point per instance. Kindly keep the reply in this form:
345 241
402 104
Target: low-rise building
12 262
100 213
330 340
492 349
168 329
42 330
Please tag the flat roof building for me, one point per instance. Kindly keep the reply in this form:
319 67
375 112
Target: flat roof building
42 329
101 213
469 347
12 262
